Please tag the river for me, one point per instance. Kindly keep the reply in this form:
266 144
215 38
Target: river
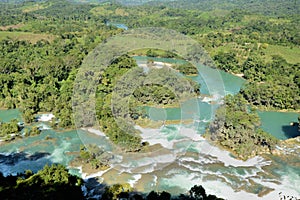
180 158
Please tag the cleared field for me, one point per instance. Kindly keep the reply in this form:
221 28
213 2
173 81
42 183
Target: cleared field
34 7
5 28
31 37
292 55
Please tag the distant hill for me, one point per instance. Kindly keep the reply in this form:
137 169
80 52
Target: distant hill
19 1
267 7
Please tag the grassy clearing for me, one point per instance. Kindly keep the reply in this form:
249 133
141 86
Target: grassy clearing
101 11
292 55
31 37
34 7
5 28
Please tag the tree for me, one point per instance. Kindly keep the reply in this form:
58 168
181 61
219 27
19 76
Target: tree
115 191
152 196
165 196
198 192
52 182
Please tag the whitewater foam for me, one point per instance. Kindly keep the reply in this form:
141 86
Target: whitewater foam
135 179
94 175
45 117
58 155
224 156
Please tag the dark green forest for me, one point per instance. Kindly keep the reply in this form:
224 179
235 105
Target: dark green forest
52 182
237 128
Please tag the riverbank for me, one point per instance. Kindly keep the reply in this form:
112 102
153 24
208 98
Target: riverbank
156 124
86 168
177 158
272 109
160 150
241 75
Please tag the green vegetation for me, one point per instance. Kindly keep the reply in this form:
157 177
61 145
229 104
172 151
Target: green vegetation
111 120
153 53
31 37
58 38
55 182
34 130
237 128
255 43
272 85
40 57
43 44
11 130
184 68
119 191
290 54
52 182
266 7
128 138
154 94
187 69
95 156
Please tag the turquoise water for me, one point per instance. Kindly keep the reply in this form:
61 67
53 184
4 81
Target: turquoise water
7 115
47 148
207 163
215 84
279 124
215 81
193 109
121 26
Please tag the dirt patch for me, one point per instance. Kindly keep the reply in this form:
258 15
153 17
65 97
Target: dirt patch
15 26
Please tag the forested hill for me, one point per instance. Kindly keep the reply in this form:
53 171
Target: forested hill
267 7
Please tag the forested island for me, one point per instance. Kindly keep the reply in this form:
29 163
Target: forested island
44 43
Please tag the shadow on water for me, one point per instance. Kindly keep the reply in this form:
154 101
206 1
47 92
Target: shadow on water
14 158
14 163
291 131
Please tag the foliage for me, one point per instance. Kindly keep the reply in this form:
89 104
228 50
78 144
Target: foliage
237 128
274 84
266 7
95 156
154 94
117 191
123 83
52 182
127 139
37 75
186 69
10 129
227 61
